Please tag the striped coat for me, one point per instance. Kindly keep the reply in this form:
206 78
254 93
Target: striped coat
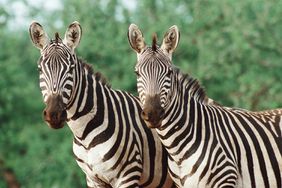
111 144
209 145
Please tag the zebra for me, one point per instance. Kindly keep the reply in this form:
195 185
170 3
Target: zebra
111 143
209 145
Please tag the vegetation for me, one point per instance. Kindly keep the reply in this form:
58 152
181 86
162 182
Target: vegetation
233 47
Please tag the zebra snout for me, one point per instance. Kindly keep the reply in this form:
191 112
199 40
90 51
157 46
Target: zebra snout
153 113
55 119
55 114
153 117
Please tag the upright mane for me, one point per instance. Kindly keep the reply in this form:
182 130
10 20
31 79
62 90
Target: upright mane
57 38
193 86
99 76
154 42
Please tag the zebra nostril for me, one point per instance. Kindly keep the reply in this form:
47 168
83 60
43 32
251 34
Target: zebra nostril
144 116
54 116
44 113
63 115
150 115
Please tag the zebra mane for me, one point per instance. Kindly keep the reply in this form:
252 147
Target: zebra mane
57 38
99 77
154 42
193 86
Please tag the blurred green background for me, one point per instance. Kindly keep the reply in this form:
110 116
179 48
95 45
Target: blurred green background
234 47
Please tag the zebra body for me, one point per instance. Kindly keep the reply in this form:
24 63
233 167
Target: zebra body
246 145
113 148
209 145
111 144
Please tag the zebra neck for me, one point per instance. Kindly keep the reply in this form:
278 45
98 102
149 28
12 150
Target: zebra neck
87 110
184 124
183 89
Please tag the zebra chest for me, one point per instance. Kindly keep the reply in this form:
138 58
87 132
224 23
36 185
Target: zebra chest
91 162
187 172
181 175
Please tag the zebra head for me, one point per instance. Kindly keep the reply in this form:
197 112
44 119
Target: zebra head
57 70
154 73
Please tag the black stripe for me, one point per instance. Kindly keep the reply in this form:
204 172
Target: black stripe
121 131
250 162
76 92
221 139
164 170
81 95
109 131
99 116
128 161
208 164
224 178
256 144
191 125
197 142
178 125
207 139
89 100
235 140
271 154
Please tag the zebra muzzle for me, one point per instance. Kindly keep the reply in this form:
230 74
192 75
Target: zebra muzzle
152 121
152 112
55 114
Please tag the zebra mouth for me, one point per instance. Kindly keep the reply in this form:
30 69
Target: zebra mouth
56 121
152 120
55 113
56 126
153 125
152 111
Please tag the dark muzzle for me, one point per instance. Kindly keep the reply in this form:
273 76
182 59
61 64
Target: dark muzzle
55 114
152 112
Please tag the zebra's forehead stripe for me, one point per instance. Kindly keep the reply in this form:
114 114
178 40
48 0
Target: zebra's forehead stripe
152 67
56 61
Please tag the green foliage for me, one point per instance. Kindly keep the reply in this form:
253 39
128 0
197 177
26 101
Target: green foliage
233 47
40 157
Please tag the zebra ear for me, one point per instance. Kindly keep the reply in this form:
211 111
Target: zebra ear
38 36
135 38
171 39
73 35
